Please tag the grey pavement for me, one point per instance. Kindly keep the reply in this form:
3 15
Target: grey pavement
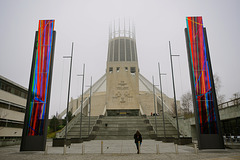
119 150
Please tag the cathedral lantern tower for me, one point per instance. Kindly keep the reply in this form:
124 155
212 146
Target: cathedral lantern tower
122 73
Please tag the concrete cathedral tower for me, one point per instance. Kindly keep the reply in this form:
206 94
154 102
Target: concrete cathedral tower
122 90
122 75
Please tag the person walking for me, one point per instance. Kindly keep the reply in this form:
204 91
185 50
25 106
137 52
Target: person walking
138 138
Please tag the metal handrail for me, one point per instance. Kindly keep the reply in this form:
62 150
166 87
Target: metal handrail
141 110
165 105
94 87
94 125
229 103
104 110
79 108
173 122
61 133
152 126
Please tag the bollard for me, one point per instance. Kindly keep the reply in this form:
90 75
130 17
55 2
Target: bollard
139 147
46 150
83 149
195 147
157 147
101 147
176 148
64 149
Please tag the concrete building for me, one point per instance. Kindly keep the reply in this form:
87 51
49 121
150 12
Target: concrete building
122 90
122 94
13 98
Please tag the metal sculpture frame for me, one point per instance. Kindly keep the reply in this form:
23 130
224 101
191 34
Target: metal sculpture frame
207 119
39 91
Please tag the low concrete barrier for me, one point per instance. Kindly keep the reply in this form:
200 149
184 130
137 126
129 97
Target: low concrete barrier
9 142
59 142
183 140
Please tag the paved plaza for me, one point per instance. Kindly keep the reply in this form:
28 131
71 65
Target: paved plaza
119 150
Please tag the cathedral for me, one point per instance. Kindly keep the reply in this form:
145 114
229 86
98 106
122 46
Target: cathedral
122 90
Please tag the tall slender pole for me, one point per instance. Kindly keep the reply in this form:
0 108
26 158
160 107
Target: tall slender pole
164 131
89 112
69 83
82 102
154 104
175 103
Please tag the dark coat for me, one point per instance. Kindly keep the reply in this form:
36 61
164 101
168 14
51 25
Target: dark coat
138 138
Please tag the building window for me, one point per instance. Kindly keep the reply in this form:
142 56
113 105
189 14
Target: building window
13 90
8 89
110 69
126 69
133 70
14 125
3 105
23 95
118 69
3 123
3 87
14 108
9 123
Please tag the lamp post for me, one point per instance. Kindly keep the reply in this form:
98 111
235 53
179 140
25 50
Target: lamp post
175 103
69 83
154 104
90 103
160 74
81 100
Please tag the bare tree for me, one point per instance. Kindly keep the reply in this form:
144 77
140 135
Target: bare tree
218 85
187 102
235 97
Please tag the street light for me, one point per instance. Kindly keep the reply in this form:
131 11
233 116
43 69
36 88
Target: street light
160 74
69 83
82 100
154 104
89 109
174 88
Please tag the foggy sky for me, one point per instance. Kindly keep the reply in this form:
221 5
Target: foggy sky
86 23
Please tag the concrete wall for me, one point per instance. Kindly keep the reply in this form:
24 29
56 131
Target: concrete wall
6 96
8 114
122 86
11 115
188 125
146 101
98 104
9 142
229 112
10 132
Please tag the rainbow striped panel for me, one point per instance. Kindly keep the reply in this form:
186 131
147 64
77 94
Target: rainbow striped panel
201 76
39 88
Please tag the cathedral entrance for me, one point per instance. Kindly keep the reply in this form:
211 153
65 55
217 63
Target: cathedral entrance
129 112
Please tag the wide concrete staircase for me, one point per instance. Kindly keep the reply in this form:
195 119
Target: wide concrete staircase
170 130
123 128
118 128
74 132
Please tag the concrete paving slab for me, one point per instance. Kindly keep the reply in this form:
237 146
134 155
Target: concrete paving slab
119 150
121 146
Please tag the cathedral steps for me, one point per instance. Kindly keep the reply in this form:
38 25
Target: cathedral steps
122 128
75 130
170 130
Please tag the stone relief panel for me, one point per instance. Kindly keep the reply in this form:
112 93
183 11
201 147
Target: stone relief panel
122 94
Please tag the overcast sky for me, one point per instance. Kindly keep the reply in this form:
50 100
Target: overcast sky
86 23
